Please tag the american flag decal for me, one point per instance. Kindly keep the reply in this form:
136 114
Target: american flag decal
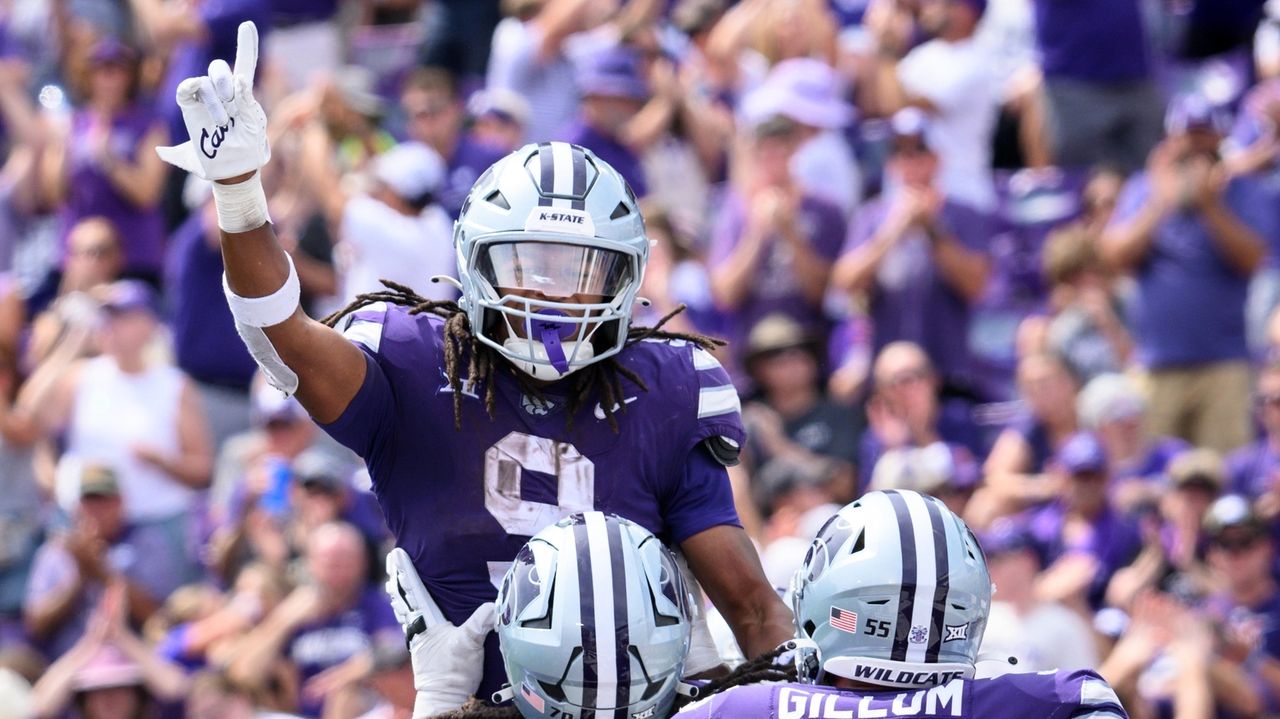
532 697
844 620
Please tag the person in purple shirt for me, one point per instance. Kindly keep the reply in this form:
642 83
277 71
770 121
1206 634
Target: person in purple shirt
1080 529
1103 106
532 398
772 245
1189 233
614 91
104 167
919 256
434 117
330 621
1255 468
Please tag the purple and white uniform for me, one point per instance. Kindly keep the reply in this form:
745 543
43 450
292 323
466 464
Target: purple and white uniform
1046 695
462 503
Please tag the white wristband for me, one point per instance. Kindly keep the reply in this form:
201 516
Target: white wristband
242 206
266 311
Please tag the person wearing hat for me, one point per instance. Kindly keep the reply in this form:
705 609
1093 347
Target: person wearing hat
434 116
110 673
792 418
948 472
103 167
1081 537
1112 405
498 118
918 255
619 115
1041 634
398 231
71 571
952 79
809 92
772 244
1191 236
1245 612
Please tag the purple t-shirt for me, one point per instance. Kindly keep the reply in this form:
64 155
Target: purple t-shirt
910 300
1044 695
611 151
1254 468
462 503
1189 307
205 341
1092 40
469 160
775 287
1151 466
320 645
90 192
1114 540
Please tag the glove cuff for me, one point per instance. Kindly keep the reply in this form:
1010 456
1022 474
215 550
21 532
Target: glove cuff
241 207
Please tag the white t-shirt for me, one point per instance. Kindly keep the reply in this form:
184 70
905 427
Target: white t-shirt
378 242
957 78
113 411
1050 636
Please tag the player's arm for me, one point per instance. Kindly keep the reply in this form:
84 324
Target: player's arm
329 369
727 566
228 146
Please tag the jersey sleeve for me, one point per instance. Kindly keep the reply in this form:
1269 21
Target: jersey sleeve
365 425
1089 695
1051 694
718 413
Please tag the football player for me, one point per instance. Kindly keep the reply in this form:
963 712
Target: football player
484 421
895 593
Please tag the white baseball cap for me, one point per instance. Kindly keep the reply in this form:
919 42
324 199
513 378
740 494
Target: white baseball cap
410 169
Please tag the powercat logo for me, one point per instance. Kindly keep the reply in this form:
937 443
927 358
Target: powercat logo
939 701
564 220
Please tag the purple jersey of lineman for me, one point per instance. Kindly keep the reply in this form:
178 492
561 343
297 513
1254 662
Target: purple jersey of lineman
463 502
1046 695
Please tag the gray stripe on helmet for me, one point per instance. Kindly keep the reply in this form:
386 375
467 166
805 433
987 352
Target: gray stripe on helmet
943 580
602 584
546 174
621 620
579 201
587 595
907 591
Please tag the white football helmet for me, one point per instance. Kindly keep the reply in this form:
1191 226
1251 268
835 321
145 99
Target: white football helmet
895 592
551 251
593 620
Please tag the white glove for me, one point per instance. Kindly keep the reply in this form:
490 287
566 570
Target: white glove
448 661
227 127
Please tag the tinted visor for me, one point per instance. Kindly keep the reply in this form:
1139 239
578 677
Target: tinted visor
554 270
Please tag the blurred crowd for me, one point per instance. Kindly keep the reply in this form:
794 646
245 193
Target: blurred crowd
1023 255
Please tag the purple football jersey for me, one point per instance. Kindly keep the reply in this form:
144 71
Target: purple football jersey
463 502
1046 695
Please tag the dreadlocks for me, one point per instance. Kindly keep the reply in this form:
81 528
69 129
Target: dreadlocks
476 709
604 377
763 668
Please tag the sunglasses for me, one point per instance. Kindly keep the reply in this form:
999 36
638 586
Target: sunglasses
1267 400
1236 545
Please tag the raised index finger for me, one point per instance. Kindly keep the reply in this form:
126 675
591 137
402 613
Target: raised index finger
247 52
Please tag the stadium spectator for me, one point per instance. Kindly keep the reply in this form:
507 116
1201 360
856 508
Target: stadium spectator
618 113
904 410
1040 634
398 231
435 114
1188 232
99 549
109 672
498 118
772 245
1082 540
810 93
324 630
950 77
792 419
918 256
1253 468
139 415
1103 106
1015 469
945 471
100 168
205 344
